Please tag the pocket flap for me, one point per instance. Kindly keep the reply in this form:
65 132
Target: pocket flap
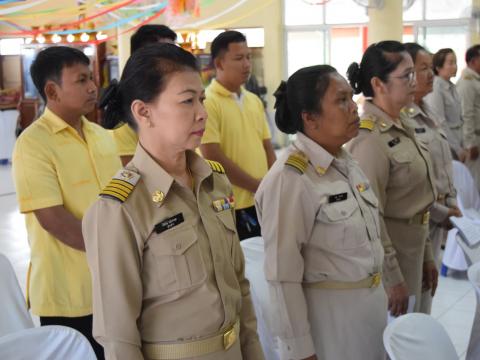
370 197
173 242
226 217
340 210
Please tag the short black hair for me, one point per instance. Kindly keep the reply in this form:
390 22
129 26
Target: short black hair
303 92
221 42
472 53
149 34
413 49
439 58
50 62
379 60
144 78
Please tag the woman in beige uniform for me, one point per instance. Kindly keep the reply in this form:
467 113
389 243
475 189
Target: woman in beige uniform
319 218
399 169
167 267
428 131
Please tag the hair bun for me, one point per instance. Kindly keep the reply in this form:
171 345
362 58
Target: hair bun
111 103
354 77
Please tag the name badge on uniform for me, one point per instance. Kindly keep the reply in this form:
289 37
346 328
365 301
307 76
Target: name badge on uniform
224 203
169 223
394 142
337 197
420 130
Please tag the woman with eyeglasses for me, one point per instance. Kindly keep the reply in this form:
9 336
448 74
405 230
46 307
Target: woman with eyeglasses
428 131
399 169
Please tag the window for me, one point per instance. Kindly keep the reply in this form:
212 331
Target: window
447 9
345 12
299 12
305 48
346 47
415 12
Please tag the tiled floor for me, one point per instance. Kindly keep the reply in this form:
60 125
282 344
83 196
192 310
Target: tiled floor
453 305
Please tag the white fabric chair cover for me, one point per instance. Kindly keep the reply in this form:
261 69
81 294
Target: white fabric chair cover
14 314
467 198
8 123
418 336
473 351
46 343
253 250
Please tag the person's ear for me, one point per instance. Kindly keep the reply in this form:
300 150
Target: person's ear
51 91
218 63
310 121
142 114
378 86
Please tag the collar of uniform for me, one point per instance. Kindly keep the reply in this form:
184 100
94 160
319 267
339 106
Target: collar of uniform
467 71
218 88
443 83
199 168
413 110
320 158
383 120
153 175
56 123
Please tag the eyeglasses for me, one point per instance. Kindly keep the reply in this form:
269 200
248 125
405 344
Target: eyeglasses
410 77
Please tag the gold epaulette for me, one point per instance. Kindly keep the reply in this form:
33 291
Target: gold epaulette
121 185
367 123
216 166
468 77
298 160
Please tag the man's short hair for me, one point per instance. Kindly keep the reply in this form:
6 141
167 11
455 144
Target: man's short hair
472 53
149 34
50 62
221 42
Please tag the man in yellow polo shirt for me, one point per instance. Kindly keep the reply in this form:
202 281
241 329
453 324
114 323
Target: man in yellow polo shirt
125 137
61 162
237 134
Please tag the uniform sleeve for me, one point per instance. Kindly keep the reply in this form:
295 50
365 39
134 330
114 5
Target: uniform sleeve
467 95
282 201
371 156
249 341
266 129
436 103
212 127
438 212
35 175
115 264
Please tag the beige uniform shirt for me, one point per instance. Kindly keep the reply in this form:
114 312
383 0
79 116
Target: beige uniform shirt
400 173
444 102
429 133
469 89
166 266
321 225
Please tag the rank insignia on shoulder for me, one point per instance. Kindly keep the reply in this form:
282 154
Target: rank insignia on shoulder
169 223
224 203
362 187
468 77
216 166
420 130
298 160
121 185
394 142
337 197
367 123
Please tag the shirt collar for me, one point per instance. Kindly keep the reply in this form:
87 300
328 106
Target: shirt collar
468 71
384 121
223 91
57 124
320 158
443 83
156 179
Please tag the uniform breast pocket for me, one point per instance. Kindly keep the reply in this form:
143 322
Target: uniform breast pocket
228 230
372 202
177 262
337 225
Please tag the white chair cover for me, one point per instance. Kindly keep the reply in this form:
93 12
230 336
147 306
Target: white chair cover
467 198
473 351
418 336
253 250
14 314
8 123
46 343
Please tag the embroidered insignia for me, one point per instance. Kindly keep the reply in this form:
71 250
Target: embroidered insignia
158 196
368 124
362 187
121 185
224 203
298 160
216 166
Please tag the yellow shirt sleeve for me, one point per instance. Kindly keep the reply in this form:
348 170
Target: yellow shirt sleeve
212 128
126 140
266 128
35 176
